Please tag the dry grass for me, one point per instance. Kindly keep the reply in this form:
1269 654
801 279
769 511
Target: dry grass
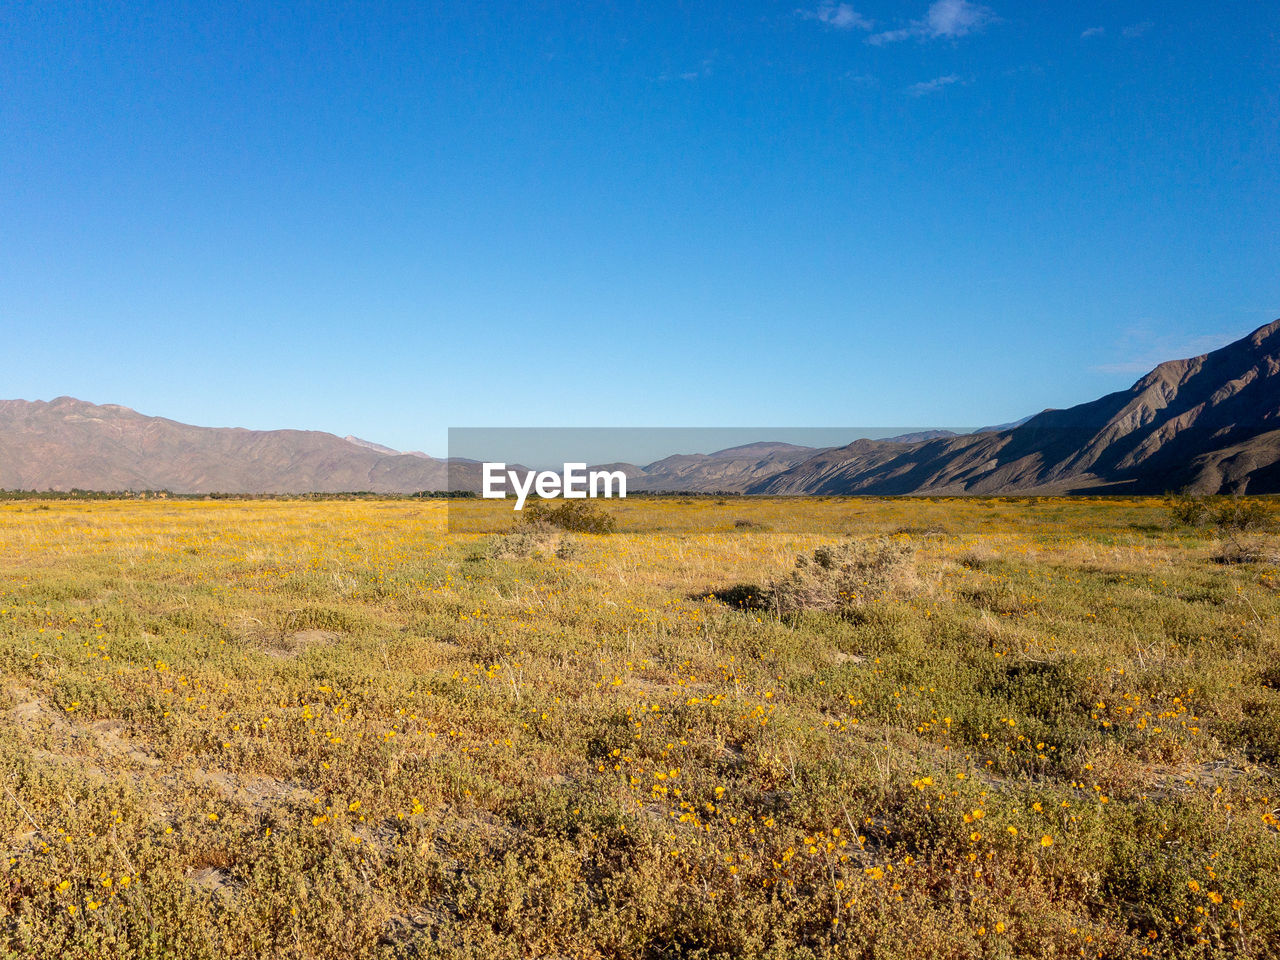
972 729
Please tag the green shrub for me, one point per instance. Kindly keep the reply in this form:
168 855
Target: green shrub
1227 514
1239 515
578 516
1189 509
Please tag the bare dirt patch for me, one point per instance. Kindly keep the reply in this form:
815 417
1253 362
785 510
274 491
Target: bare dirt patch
255 791
299 642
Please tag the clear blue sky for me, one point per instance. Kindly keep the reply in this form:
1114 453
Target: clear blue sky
389 219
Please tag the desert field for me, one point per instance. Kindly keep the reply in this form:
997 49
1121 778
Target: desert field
960 728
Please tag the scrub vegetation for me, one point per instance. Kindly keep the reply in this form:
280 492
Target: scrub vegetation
729 728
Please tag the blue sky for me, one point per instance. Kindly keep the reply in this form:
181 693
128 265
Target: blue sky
389 219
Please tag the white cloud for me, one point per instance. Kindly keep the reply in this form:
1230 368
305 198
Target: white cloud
944 20
932 86
1093 32
955 18
839 15
892 36
1135 30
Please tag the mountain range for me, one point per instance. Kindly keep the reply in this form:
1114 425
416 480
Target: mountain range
1209 423
68 444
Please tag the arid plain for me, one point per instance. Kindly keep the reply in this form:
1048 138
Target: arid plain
1037 727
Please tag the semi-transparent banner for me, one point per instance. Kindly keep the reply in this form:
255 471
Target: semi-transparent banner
500 476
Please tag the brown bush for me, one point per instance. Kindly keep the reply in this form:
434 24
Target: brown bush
532 540
845 575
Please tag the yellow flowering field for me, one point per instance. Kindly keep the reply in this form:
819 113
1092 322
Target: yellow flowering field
329 729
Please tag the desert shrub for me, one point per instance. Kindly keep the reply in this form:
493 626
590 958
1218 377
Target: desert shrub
1258 729
976 559
742 524
746 596
844 575
1189 509
1228 515
579 516
1231 518
1235 549
834 577
1239 515
320 618
519 544
1047 693
535 539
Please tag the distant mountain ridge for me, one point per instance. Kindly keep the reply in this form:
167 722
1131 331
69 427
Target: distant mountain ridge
66 444
1209 423
733 469
370 445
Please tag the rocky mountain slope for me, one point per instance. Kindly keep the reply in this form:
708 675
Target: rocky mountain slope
734 469
66 444
1209 423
